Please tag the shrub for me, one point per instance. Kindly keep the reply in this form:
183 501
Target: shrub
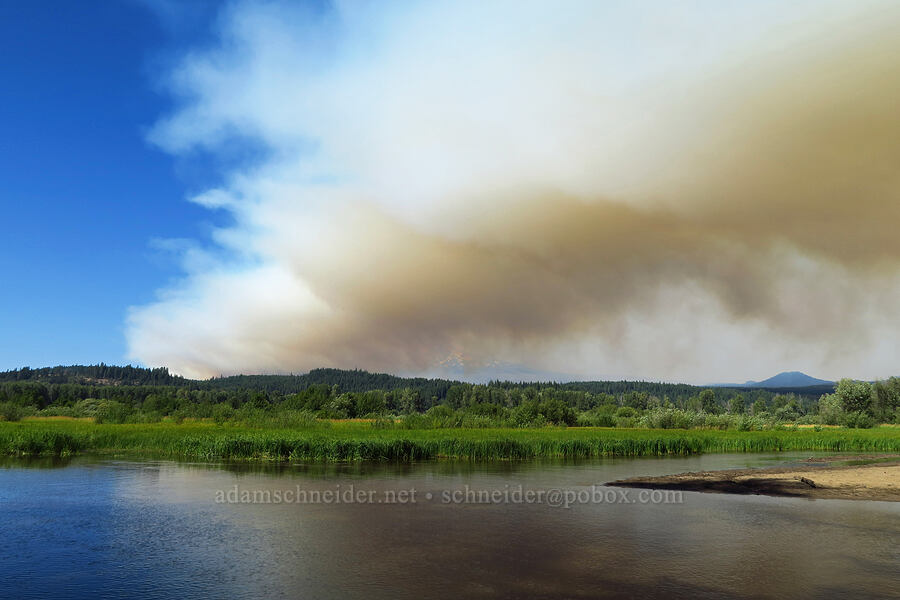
745 423
596 418
10 412
787 413
441 411
856 396
58 411
556 411
626 422
527 415
87 407
177 416
443 417
711 421
328 413
222 412
110 411
666 418
759 407
859 420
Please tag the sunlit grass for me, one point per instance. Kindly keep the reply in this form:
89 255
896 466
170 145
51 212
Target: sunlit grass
60 418
354 440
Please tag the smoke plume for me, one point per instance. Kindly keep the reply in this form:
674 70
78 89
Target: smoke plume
687 192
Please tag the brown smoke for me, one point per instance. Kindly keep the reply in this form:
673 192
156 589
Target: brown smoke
775 188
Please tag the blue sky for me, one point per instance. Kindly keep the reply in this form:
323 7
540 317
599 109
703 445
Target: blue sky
613 190
83 194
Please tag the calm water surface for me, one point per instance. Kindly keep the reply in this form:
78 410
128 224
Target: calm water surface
112 529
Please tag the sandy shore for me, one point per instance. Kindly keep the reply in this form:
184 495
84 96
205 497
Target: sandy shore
875 481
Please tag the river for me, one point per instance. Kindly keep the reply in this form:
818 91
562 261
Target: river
90 528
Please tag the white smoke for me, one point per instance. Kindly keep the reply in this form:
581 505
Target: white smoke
697 191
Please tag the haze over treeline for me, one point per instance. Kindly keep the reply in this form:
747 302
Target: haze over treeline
610 190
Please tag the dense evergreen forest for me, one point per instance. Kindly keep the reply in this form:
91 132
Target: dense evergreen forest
60 384
118 394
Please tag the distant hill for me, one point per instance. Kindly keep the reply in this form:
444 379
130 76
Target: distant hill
105 379
346 380
66 385
101 374
789 379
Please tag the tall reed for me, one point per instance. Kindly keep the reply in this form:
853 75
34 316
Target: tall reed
354 443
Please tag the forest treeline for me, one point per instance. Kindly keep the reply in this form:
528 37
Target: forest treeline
357 380
133 394
65 384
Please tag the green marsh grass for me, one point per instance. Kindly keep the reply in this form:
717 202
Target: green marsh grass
343 441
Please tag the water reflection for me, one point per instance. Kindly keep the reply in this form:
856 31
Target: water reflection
35 462
118 529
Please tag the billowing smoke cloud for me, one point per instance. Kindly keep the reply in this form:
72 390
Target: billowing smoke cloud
689 192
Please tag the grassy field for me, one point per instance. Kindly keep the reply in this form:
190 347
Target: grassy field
349 441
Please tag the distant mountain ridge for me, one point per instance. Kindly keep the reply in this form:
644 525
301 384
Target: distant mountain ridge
66 385
785 380
789 379
356 380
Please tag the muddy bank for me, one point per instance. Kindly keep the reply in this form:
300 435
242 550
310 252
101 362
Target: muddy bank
878 478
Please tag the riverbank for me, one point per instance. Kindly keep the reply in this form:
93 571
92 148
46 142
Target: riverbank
877 478
350 441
